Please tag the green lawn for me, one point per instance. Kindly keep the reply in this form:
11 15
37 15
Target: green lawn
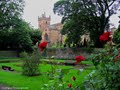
16 79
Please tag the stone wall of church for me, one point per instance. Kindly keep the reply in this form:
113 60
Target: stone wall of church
53 34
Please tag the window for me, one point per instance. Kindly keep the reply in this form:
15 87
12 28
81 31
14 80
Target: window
46 37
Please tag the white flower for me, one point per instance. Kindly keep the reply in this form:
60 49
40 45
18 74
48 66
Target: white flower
81 70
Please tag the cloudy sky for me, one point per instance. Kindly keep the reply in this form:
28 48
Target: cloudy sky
34 8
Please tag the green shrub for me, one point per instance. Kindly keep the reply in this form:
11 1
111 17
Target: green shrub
116 37
107 73
31 63
23 54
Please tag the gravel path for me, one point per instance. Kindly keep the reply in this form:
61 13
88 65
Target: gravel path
3 87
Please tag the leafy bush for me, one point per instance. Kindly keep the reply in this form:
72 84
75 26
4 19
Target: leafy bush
35 36
116 37
17 38
107 75
31 63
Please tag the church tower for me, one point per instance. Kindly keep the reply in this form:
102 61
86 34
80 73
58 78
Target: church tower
43 23
50 33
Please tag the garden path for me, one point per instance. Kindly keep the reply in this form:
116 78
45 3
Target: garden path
3 87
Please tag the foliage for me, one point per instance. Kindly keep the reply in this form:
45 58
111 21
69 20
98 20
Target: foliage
13 30
31 63
4 39
20 37
10 10
17 38
81 16
75 30
35 35
116 37
107 74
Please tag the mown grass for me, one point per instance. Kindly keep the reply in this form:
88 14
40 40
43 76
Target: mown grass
16 79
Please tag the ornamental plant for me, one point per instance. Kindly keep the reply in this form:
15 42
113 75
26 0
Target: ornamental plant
31 63
79 59
105 37
107 63
107 69
116 36
42 45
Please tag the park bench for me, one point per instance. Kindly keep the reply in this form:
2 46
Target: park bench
7 68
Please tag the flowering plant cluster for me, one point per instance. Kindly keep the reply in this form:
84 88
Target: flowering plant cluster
106 75
107 64
79 59
42 45
105 37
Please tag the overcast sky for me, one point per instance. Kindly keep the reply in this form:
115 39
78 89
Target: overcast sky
35 8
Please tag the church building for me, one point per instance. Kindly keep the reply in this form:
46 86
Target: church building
50 33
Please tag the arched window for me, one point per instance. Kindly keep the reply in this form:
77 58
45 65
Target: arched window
46 37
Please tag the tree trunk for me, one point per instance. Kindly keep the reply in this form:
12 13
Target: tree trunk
98 44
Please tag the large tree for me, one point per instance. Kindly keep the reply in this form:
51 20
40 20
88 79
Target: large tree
9 11
14 32
88 16
35 35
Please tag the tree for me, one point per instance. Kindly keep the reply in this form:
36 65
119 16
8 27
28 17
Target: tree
14 32
35 35
9 11
116 37
91 15
19 38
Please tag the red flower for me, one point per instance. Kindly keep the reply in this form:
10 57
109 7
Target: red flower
69 85
79 59
42 45
105 36
74 78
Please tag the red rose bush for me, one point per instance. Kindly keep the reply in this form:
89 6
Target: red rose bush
42 45
105 37
79 59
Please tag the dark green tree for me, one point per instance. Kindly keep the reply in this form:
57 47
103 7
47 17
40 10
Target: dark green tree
88 16
14 32
35 35
116 37
9 11
19 37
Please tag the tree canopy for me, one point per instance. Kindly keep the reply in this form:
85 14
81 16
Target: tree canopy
91 16
9 11
15 33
